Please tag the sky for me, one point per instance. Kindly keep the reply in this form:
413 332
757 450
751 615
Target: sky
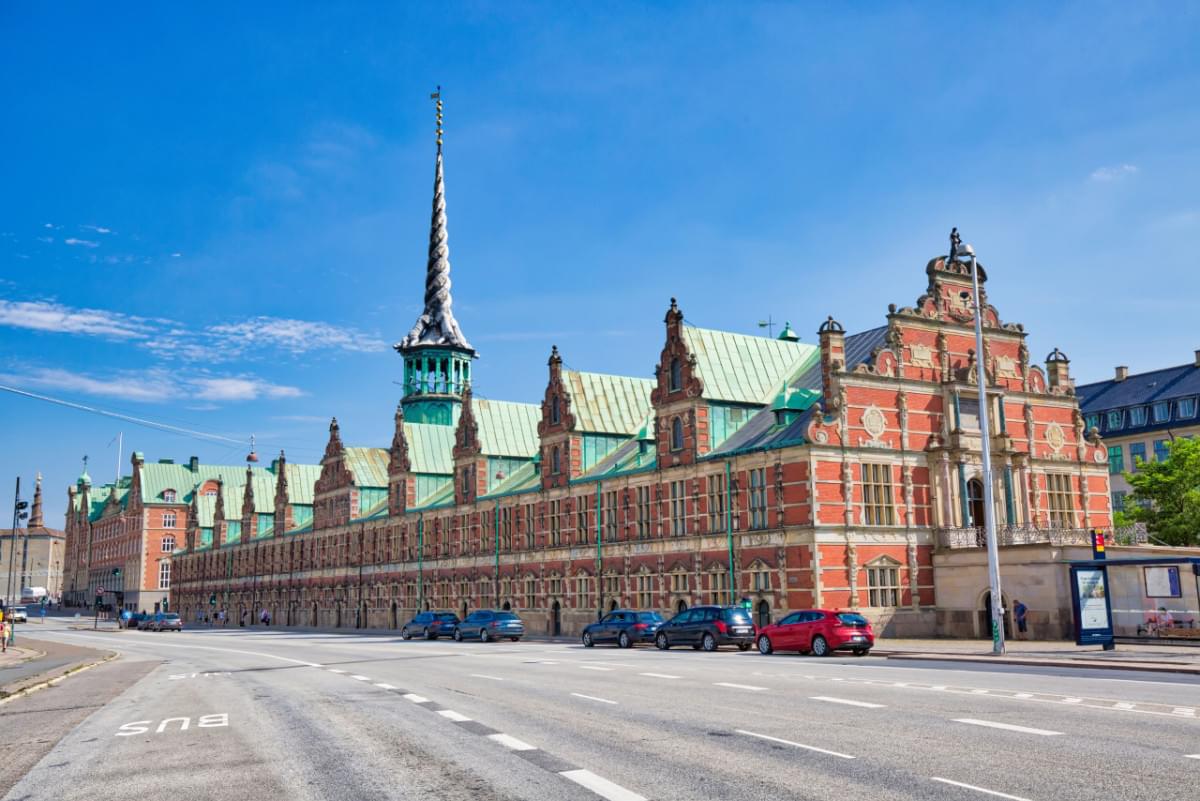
215 216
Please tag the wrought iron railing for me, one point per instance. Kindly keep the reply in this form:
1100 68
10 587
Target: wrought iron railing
973 537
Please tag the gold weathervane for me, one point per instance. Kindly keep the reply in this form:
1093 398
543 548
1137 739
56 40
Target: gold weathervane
438 97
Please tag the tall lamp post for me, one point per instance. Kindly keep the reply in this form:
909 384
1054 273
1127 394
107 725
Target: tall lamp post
959 251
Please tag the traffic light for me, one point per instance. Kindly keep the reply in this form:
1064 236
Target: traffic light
116 571
212 600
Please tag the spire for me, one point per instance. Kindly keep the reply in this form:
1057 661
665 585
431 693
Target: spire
35 515
436 325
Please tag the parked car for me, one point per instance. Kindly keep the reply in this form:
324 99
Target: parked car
430 625
19 614
165 621
625 627
489 624
820 632
134 621
707 627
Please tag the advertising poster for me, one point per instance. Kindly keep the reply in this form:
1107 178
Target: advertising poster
1162 582
1091 590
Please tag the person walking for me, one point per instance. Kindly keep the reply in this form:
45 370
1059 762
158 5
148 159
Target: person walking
1020 610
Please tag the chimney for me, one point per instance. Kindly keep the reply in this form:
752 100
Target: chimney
1122 373
1197 362
832 338
194 463
1058 369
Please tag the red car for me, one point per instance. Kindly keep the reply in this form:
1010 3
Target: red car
819 632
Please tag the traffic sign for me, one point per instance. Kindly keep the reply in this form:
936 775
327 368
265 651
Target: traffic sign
212 600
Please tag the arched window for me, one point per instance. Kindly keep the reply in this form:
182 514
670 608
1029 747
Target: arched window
676 434
169 496
676 375
554 411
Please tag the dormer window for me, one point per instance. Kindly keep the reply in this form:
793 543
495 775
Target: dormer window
1116 420
1138 416
1162 411
554 410
168 496
676 375
676 434
1092 421
1186 408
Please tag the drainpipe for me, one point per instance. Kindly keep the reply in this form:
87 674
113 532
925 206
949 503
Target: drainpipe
599 550
496 581
420 564
729 527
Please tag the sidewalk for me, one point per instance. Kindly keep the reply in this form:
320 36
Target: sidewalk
1181 659
49 661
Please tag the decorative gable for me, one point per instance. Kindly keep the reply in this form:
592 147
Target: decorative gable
332 493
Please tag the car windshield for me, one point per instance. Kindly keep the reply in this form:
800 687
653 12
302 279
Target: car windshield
171 616
506 616
18 609
851 619
447 616
737 616
649 617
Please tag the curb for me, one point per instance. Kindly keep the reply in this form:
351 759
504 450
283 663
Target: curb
1147 667
71 670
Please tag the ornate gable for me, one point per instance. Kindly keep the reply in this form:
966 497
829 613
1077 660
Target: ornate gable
334 473
466 436
248 496
398 461
556 404
676 368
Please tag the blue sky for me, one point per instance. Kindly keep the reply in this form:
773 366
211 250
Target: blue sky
216 216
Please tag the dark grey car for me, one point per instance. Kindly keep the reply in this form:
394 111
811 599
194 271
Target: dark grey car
489 624
430 625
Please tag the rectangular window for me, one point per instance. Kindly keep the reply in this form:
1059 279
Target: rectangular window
506 528
1161 452
582 528
678 521
1162 411
1138 416
610 516
1062 500
679 582
530 601
1137 453
643 512
877 494
1186 408
645 591
1118 500
716 503
758 498
1116 459
968 414
1116 420
718 586
164 575
883 584
760 580
612 587
1092 421
555 533
168 544
168 520
582 591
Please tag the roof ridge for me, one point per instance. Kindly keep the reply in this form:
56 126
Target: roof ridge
609 375
1132 376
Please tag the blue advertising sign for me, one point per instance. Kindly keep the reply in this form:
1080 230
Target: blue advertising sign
1091 606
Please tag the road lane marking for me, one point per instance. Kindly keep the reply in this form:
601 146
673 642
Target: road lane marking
1072 700
1191 756
593 698
1023 695
335 670
383 686
1007 727
659 675
595 667
416 699
485 676
737 686
452 715
848 702
601 786
509 741
1187 711
1123 705
995 793
360 678
795 744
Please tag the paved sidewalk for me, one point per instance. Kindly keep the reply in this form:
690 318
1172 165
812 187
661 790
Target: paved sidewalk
49 660
1159 658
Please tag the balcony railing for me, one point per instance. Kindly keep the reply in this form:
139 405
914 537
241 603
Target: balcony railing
973 537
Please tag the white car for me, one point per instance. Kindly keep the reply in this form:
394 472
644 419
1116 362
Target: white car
19 615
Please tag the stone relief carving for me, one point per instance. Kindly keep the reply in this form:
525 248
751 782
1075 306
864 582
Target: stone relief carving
1055 437
921 355
852 569
874 423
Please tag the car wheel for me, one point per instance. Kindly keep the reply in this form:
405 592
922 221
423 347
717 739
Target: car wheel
515 639
764 645
404 635
661 642
861 651
587 639
624 640
425 634
709 643
820 647
484 636
743 646
457 635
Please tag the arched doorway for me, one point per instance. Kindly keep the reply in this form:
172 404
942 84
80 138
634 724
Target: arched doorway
764 614
462 610
612 605
506 606
313 620
337 621
985 617
680 606
555 619
395 619
362 616
975 503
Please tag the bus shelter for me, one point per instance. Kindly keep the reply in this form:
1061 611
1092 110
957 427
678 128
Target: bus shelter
1137 599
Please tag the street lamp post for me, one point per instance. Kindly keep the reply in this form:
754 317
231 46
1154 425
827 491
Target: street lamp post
958 250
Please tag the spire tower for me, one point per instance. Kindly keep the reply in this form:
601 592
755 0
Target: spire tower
437 357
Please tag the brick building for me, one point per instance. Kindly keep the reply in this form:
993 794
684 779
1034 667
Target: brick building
745 467
32 556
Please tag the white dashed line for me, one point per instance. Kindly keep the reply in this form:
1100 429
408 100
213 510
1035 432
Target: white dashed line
1191 756
335 670
979 789
385 686
512 742
1007 727
1023 695
416 699
360 678
1123 705
1186 711
980 692
593 698
485 676
1072 700
659 675
796 745
601 786
452 715
738 686
594 667
846 701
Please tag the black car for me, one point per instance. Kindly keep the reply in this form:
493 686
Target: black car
430 625
708 627
625 627
489 624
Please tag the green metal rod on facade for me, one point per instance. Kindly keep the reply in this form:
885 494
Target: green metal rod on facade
420 564
729 527
599 549
496 521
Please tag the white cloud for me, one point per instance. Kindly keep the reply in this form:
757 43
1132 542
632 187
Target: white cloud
97 228
84 242
294 336
45 239
153 386
1114 173
241 388
44 316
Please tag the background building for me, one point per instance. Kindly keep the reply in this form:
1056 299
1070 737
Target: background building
32 555
1138 414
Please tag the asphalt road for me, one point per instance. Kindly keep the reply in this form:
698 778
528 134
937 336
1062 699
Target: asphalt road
288 715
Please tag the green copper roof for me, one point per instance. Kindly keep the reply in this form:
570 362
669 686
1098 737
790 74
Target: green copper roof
524 477
159 477
744 369
607 404
507 428
430 448
369 466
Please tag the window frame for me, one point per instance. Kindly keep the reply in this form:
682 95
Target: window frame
1164 407
878 494
676 433
885 585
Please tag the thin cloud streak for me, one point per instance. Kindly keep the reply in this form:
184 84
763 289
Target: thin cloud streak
153 386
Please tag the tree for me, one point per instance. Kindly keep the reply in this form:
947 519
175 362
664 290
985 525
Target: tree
1166 494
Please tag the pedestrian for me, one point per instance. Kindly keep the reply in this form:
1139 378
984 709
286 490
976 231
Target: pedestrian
1020 610
245 614
3 632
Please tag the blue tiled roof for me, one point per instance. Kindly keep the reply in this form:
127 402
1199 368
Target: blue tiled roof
858 350
1170 384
